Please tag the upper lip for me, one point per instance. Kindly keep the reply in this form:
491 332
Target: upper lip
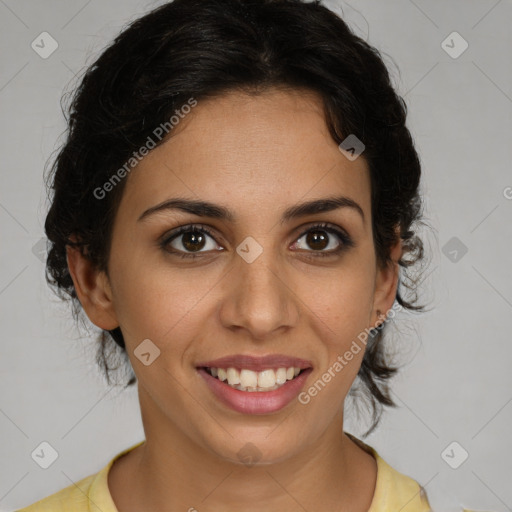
256 363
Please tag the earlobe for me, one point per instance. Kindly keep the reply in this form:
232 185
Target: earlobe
93 289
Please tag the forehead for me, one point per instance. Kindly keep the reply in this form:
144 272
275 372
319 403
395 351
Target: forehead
273 148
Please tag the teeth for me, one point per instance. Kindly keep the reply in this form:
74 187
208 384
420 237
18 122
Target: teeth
281 376
266 379
233 377
249 380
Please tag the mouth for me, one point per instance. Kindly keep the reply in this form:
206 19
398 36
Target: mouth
248 392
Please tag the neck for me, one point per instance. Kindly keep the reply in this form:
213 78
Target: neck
172 472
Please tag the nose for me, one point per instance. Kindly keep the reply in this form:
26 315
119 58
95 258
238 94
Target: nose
259 297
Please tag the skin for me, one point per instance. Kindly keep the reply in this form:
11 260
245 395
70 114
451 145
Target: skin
256 155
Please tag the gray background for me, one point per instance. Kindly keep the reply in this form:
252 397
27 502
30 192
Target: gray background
457 383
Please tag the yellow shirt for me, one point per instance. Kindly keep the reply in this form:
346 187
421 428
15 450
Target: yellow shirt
393 491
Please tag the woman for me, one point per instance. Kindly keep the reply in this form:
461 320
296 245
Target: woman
232 206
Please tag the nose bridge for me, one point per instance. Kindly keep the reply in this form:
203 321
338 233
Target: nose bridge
259 298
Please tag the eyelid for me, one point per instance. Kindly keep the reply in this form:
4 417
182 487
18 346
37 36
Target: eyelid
169 236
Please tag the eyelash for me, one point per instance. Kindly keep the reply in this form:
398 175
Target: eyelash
346 241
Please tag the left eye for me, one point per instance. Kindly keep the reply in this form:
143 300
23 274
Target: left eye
320 239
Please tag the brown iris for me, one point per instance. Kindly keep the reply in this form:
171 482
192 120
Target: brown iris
193 240
317 239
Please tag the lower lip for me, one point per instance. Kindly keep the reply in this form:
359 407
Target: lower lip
256 402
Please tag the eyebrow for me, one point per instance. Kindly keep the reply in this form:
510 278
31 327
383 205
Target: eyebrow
215 211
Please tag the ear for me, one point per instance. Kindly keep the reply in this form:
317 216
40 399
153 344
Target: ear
386 283
93 290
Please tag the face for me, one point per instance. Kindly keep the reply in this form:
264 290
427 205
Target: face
255 283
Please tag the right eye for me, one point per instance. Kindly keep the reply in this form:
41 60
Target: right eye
188 241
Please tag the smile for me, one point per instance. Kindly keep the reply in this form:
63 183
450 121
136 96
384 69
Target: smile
255 399
251 381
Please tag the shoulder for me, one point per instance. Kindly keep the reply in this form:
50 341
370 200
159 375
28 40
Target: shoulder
397 491
72 498
394 490
90 493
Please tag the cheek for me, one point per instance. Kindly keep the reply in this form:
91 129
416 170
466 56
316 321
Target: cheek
342 301
338 316
157 303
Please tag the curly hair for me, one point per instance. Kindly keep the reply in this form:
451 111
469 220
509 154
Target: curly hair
205 48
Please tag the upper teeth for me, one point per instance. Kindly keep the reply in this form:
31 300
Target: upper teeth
251 379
